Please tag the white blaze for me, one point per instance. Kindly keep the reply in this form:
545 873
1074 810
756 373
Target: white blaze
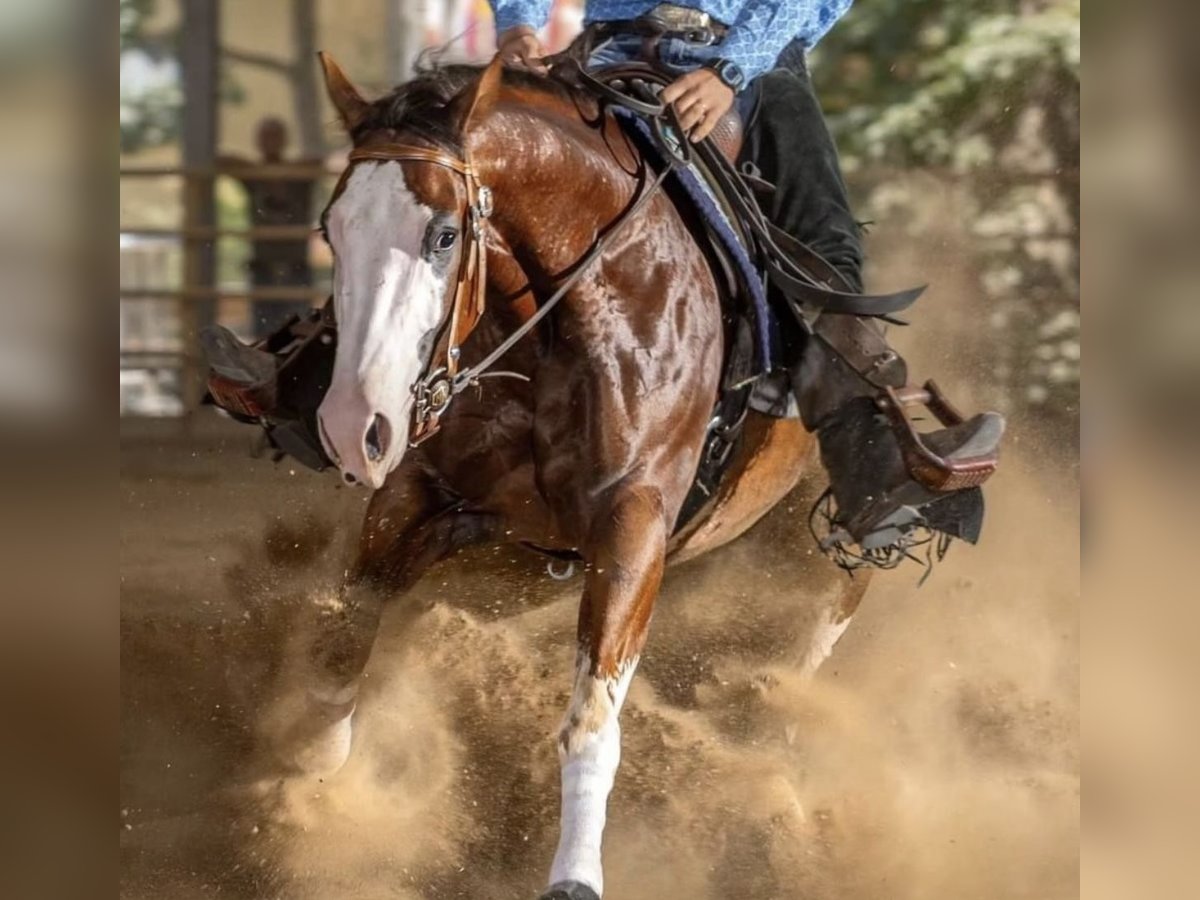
387 298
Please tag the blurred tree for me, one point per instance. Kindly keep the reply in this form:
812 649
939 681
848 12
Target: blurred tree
987 93
300 71
151 96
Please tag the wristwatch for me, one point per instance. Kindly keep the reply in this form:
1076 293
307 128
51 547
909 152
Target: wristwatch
729 72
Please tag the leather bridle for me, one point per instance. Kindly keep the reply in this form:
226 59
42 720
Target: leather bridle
434 389
443 378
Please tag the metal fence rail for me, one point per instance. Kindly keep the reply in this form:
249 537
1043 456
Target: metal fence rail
147 269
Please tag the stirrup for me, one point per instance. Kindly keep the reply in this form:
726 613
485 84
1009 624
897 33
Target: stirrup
277 383
946 468
251 381
960 456
923 492
241 378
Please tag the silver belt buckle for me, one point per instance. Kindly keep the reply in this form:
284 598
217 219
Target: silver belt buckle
679 18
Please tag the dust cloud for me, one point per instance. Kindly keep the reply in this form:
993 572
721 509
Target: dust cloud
934 756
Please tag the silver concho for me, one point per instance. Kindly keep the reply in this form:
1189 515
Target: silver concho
439 396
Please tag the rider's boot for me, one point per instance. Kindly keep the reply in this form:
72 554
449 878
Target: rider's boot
277 383
890 484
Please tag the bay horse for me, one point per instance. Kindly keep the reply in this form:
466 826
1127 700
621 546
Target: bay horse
472 197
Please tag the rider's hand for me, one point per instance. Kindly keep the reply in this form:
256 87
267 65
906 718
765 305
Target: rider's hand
520 48
700 98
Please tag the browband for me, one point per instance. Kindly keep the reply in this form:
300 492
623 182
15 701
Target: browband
411 153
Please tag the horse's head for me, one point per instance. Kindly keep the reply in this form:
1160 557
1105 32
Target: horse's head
396 228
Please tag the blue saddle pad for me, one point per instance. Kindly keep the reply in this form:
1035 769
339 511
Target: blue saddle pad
705 206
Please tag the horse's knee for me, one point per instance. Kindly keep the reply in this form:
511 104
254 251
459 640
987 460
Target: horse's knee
591 718
345 632
633 517
626 556
395 564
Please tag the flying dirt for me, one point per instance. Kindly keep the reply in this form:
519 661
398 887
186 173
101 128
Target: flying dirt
934 755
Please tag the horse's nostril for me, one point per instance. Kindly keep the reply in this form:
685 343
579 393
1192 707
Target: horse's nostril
379 437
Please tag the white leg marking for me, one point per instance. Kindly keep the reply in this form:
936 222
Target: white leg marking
334 696
589 751
826 635
328 751
311 728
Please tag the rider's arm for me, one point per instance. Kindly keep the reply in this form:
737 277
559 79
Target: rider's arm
513 13
764 27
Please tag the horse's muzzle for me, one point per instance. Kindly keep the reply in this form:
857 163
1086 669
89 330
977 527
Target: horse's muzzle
360 439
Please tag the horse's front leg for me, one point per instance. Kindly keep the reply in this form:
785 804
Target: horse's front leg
307 727
408 527
831 625
625 557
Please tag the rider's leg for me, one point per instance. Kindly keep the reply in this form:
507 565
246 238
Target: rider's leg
791 145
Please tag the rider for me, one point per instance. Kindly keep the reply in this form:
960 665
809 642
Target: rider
751 53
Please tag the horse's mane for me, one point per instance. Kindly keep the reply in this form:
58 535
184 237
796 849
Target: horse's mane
421 104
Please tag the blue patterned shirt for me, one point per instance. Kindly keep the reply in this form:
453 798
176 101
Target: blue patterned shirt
758 29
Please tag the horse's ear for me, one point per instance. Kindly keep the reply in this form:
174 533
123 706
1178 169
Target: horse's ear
474 101
351 107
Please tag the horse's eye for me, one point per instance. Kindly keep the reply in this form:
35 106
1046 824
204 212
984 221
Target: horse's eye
445 239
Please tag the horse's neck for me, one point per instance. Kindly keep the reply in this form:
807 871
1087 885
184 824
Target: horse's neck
555 182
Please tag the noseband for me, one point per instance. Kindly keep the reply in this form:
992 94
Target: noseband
442 379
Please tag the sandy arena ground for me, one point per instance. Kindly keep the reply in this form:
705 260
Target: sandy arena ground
935 755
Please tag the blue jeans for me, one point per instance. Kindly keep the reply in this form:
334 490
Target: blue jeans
786 139
675 54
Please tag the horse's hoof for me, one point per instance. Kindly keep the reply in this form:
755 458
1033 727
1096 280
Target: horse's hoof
569 890
307 735
325 753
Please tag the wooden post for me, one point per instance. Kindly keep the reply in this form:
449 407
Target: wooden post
405 24
200 61
305 85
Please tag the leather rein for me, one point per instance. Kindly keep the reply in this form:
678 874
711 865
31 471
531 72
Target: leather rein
442 378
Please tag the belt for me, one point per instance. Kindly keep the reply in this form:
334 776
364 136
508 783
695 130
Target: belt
665 20
684 19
